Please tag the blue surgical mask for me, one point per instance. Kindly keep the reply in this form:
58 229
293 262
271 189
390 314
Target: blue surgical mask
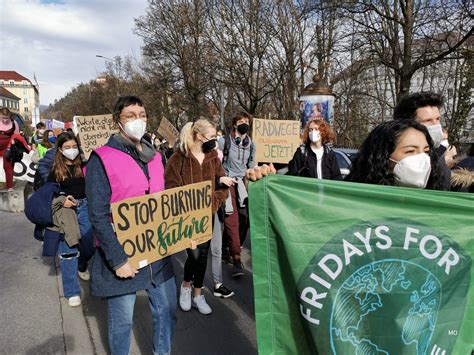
52 139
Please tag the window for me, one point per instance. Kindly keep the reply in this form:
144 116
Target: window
26 109
2 82
25 100
25 91
11 82
1 102
25 82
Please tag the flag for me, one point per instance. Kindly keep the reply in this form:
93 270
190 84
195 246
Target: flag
345 268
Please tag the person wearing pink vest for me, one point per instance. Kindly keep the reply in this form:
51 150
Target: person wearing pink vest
128 166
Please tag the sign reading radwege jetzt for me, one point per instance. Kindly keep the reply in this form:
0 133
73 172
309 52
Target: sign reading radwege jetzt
155 226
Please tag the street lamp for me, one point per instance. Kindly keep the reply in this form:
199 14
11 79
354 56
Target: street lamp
316 102
106 58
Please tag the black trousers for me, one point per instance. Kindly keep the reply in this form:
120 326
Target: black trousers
196 263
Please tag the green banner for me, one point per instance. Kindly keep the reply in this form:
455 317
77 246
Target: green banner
345 268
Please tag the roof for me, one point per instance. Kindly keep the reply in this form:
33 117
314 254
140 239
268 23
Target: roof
5 93
12 75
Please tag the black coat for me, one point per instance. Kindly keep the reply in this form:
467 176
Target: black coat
304 163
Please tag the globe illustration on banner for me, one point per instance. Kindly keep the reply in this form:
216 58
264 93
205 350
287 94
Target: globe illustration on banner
400 288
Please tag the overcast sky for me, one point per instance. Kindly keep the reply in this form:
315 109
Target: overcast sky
58 39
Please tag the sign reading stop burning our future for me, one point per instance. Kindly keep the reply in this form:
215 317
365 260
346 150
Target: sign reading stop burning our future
94 131
155 226
361 269
276 140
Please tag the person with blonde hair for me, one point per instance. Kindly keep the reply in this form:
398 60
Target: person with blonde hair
195 161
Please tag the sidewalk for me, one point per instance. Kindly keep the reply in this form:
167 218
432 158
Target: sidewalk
36 318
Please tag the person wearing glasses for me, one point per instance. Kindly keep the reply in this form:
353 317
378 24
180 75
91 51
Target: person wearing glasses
128 166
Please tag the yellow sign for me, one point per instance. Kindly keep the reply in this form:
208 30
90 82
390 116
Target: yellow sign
276 140
94 131
154 226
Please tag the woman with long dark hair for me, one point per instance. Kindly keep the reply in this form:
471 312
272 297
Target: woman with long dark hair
398 153
67 170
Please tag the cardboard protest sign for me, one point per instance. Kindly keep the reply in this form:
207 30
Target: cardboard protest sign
94 131
23 170
168 131
276 140
154 226
361 269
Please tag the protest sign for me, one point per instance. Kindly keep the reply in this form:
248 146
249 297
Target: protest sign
24 170
94 131
155 226
57 125
345 268
168 131
276 140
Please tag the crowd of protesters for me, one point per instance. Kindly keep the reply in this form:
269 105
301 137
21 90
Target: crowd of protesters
410 151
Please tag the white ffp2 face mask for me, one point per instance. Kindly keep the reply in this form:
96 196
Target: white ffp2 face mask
135 129
413 171
314 136
71 153
436 134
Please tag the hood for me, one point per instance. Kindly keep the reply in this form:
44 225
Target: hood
462 178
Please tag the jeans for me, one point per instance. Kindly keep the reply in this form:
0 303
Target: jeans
216 251
162 301
68 264
73 259
86 245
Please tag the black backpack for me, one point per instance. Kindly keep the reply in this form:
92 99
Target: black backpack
15 152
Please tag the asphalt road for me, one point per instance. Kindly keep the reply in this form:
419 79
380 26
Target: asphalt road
35 317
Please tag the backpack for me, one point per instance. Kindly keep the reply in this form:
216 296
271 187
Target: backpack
14 154
227 144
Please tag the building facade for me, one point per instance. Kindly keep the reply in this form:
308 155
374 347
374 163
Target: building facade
8 100
26 91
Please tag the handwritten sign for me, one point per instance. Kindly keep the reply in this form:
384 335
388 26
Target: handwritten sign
94 131
168 131
23 170
154 226
276 140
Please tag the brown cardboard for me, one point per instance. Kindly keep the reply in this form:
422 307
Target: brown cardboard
94 131
150 227
168 131
276 140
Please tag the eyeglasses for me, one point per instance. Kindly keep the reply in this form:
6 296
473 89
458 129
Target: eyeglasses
133 117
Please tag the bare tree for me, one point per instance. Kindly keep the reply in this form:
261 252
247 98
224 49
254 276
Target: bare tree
407 35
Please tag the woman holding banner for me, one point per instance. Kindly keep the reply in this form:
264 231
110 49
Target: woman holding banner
397 153
314 158
128 166
197 161
73 253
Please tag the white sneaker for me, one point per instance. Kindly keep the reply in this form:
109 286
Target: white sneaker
185 298
74 301
86 276
200 303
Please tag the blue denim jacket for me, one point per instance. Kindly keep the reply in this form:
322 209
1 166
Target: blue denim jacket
110 254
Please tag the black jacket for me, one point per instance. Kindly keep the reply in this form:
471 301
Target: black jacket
304 163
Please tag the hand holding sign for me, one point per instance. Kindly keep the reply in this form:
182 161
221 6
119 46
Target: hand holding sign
126 270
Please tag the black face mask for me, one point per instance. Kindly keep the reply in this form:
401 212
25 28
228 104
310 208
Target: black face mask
209 145
243 128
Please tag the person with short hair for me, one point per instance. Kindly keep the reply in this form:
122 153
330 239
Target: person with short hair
424 108
314 158
238 156
128 166
397 153
37 136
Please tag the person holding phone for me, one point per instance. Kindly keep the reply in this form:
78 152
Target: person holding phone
67 170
